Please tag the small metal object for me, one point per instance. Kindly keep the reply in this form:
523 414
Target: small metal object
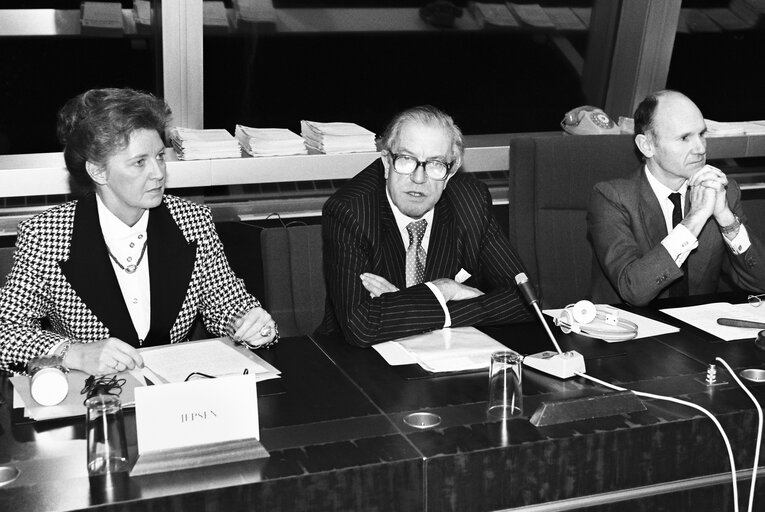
753 375
759 341
422 420
8 474
711 374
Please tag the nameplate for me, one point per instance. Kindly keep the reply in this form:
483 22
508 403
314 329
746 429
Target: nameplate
196 413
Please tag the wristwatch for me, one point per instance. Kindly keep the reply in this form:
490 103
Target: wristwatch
727 230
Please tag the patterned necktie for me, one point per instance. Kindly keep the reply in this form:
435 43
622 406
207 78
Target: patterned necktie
680 287
415 255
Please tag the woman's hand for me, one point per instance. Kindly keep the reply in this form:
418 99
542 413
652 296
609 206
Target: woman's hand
256 328
102 357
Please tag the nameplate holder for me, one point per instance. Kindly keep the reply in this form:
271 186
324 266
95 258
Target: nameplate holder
586 408
198 423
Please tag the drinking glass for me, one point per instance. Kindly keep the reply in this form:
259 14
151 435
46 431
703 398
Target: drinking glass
505 392
107 447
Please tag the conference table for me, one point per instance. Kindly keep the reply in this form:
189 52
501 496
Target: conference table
334 427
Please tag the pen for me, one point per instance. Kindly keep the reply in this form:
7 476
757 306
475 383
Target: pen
732 322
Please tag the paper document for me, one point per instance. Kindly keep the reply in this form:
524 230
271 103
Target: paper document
73 404
215 357
646 326
443 350
705 317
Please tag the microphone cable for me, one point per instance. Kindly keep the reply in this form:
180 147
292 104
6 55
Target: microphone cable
528 293
689 404
759 430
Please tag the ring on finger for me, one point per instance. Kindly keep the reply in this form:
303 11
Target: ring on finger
266 331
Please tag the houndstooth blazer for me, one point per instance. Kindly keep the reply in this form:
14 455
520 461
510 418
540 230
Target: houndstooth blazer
62 272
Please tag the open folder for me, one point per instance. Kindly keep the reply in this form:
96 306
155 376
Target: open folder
443 350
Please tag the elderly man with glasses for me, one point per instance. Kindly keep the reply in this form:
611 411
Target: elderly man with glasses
411 245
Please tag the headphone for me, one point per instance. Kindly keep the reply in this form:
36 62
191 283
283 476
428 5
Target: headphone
603 323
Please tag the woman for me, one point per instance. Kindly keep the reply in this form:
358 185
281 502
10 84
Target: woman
126 266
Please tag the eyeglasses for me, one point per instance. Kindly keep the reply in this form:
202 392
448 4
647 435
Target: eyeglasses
200 375
434 169
755 300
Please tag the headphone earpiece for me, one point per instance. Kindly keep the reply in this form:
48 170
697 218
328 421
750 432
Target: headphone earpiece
584 311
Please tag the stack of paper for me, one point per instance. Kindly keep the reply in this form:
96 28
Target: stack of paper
443 350
493 15
337 137
193 144
101 18
255 11
565 19
73 404
727 129
270 141
215 16
142 15
531 14
215 357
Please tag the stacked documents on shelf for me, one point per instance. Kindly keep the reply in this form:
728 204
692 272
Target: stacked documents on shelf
728 129
101 18
564 18
270 141
255 11
531 14
191 144
142 15
489 15
337 137
215 17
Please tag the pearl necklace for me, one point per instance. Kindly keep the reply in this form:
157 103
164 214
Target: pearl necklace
130 269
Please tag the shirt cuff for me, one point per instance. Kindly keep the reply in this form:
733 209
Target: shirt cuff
741 243
52 351
679 243
442 301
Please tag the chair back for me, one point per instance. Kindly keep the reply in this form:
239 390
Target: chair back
551 178
293 277
6 263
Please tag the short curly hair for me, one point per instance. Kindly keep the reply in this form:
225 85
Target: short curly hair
98 123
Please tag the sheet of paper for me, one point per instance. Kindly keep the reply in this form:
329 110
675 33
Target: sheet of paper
394 354
646 326
705 318
73 404
216 357
444 350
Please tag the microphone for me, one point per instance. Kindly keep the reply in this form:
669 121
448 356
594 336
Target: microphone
527 290
563 365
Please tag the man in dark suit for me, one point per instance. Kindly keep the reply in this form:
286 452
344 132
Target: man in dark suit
389 274
675 225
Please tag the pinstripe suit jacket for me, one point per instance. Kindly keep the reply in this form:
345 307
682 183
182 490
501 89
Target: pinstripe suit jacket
360 235
626 226
62 272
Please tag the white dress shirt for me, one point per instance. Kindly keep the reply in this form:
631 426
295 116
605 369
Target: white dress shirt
680 241
401 222
125 243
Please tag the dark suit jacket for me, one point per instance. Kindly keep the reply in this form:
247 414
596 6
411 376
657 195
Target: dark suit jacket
625 227
360 235
62 271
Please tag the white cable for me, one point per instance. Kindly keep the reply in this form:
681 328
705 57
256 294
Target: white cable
689 404
759 430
